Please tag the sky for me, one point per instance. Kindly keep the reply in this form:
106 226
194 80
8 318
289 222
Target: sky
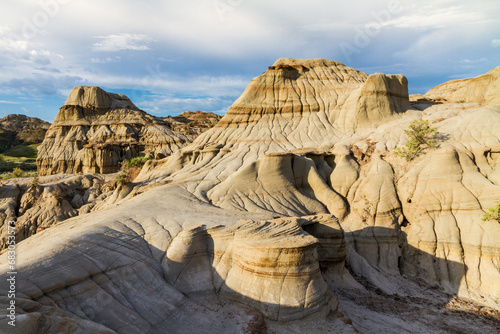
172 56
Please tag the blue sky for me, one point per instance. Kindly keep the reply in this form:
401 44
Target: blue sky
172 56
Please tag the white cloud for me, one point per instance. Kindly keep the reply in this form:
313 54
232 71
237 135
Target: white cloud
121 42
473 61
105 60
428 18
201 56
13 45
8 102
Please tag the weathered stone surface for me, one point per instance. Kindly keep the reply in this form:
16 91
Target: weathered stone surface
271 265
36 207
94 131
482 89
21 129
192 124
247 169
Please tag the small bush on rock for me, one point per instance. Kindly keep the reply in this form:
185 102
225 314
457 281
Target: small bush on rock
130 169
34 182
421 137
492 214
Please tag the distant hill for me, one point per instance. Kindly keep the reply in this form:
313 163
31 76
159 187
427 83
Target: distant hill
21 129
193 123
20 136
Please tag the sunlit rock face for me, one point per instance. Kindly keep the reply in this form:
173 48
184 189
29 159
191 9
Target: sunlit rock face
94 131
482 89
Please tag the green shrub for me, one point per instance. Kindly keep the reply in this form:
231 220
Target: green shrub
492 214
17 172
31 136
125 174
122 178
34 182
421 137
135 162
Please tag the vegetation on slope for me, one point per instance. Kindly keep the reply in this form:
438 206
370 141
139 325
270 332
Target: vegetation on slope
421 137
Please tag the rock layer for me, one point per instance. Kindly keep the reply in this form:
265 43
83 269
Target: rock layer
273 266
94 131
245 163
481 89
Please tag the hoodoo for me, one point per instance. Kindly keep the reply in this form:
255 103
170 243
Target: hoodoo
95 130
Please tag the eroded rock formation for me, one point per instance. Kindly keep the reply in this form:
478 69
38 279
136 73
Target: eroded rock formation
482 89
273 265
244 165
192 124
94 131
38 204
205 233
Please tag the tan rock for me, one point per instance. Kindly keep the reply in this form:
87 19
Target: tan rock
38 207
271 265
481 89
95 131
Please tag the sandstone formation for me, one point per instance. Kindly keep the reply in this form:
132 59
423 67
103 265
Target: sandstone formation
36 205
482 89
293 207
94 131
243 165
273 266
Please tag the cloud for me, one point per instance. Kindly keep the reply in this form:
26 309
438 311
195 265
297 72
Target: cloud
8 102
495 43
164 105
122 42
10 44
42 84
96 60
429 18
473 61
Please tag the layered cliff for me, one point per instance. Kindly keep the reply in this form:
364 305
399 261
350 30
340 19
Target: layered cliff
94 131
314 136
192 124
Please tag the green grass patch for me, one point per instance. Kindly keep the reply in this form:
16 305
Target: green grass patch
22 151
20 157
15 173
